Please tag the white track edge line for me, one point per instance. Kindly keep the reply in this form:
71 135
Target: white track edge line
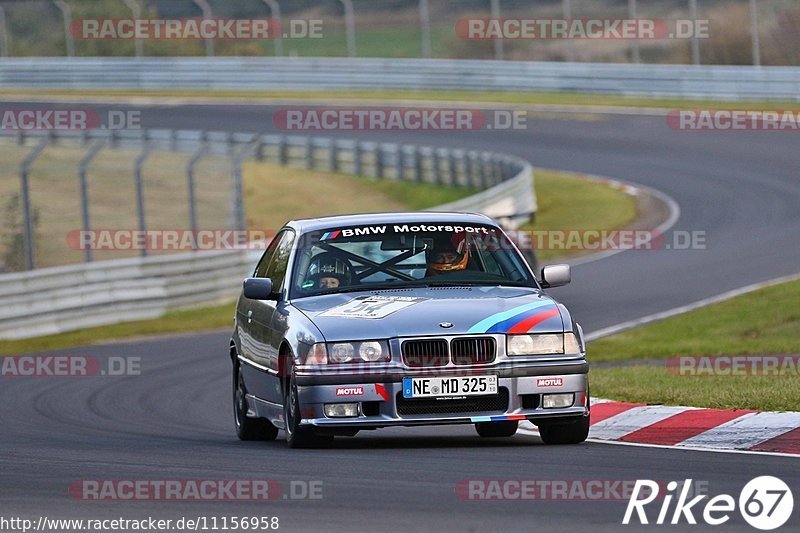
604 332
664 446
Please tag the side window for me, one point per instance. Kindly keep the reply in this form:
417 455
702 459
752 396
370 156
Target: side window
261 269
276 270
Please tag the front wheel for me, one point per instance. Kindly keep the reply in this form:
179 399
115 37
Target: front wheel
506 428
573 432
298 436
248 428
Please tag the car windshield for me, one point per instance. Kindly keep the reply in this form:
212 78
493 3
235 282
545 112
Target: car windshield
402 255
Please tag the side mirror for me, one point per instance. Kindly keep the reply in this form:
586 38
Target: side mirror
258 289
555 276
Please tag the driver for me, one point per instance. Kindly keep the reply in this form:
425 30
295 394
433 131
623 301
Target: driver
329 271
444 257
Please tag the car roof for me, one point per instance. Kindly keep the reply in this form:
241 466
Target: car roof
411 217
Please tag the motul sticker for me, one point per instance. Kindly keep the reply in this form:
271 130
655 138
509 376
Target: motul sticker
349 391
550 382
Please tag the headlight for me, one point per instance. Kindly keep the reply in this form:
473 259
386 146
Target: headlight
370 351
342 352
317 355
544 344
358 352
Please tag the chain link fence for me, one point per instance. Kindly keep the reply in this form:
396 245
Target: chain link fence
741 32
56 184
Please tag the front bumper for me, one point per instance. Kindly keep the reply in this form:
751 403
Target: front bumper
381 402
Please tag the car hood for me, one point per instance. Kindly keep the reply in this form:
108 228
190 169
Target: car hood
420 312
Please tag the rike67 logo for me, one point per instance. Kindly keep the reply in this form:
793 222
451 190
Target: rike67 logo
765 503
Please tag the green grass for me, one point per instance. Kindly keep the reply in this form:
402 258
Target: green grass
567 202
487 97
654 385
763 322
182 321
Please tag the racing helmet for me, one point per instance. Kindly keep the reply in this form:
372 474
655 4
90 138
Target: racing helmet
330 264
447 256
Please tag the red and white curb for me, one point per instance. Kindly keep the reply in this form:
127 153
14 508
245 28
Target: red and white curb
693 427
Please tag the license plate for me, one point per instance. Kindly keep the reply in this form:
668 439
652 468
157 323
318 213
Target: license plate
447 387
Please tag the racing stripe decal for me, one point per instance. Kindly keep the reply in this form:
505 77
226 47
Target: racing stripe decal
491 324
500 418
329 235
527 324
505 325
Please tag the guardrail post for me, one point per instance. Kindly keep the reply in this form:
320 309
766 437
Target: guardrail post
425 28
140 188
437 167
379 163
755 33
350 23
566 7
136 11
498 43
333 156
3 33
190 182
452 169
469 170
357 158
238 196
417 164
635 55
496 177
695 39
483 172
83 168
309 153
259 155
401 162
27 213
66 14
207 14
275 12
283 151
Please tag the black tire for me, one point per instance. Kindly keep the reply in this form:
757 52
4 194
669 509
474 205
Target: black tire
298 436
572 432
248 428
506 428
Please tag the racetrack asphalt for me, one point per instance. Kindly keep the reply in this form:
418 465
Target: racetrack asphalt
174 421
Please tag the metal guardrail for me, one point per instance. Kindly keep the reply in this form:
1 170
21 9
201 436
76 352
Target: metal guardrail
65 298
254 73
